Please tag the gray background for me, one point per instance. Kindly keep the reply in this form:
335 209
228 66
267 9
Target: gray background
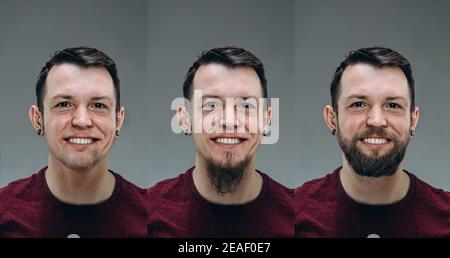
154 43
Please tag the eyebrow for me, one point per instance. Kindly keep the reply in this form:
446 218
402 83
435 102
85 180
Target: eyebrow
357 96
101 98
62 96
396 98
217 97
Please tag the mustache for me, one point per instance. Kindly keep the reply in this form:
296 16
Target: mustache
376 131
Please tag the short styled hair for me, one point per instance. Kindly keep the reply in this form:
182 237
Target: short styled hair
83 57
378 57
229 57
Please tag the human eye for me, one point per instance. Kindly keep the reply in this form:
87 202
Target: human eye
210 105
63 105
358 105
393 105
245 106
99 106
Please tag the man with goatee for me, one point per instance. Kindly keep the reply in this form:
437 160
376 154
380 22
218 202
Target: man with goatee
223 195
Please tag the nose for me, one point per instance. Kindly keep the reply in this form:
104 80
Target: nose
376 118
228 120
81 118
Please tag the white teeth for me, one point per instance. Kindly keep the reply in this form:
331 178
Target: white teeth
228 140
375 140
81 140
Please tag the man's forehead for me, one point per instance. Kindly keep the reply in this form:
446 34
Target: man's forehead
369 81
74 81
65 70
221 81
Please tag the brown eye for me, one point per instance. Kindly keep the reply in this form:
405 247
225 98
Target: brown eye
358 104
393 105
63 104
99 106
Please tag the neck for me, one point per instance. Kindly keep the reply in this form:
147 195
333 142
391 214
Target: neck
247 190
87 187
374 190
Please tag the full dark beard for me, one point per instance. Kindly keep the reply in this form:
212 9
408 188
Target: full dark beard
225 178
363 165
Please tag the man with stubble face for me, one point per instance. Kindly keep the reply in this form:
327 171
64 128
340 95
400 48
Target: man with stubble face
222 195
374 116
78 112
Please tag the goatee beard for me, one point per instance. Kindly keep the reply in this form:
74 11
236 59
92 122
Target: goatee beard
364 165
225 177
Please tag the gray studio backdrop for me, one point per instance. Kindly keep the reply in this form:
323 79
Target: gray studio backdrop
154 43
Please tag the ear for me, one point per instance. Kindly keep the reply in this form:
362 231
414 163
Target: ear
415 118
183 118
120 117
36 118
267 118
330 117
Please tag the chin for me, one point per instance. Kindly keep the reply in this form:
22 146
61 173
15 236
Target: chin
225 162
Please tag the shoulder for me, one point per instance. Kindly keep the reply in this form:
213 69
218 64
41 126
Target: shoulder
21 190
171 190
168 185
319 185
131 193
127 185
323 192
277 198
275 187
429 194
16 188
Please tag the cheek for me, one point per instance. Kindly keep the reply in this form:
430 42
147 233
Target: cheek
345 125
199 138
256 139
352 122
207 123
251 121
56 123
105 123
401 127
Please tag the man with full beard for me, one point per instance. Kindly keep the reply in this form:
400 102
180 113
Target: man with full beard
79 114
223 195
374 116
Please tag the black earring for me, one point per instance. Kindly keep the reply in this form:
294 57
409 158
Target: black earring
187 132
413 132
333 132
117 132
39 132
265 132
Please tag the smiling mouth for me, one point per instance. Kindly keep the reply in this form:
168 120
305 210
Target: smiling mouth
81 141
228 140
375 140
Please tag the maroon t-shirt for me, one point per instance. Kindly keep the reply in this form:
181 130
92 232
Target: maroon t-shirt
28 209
323 209
176 209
